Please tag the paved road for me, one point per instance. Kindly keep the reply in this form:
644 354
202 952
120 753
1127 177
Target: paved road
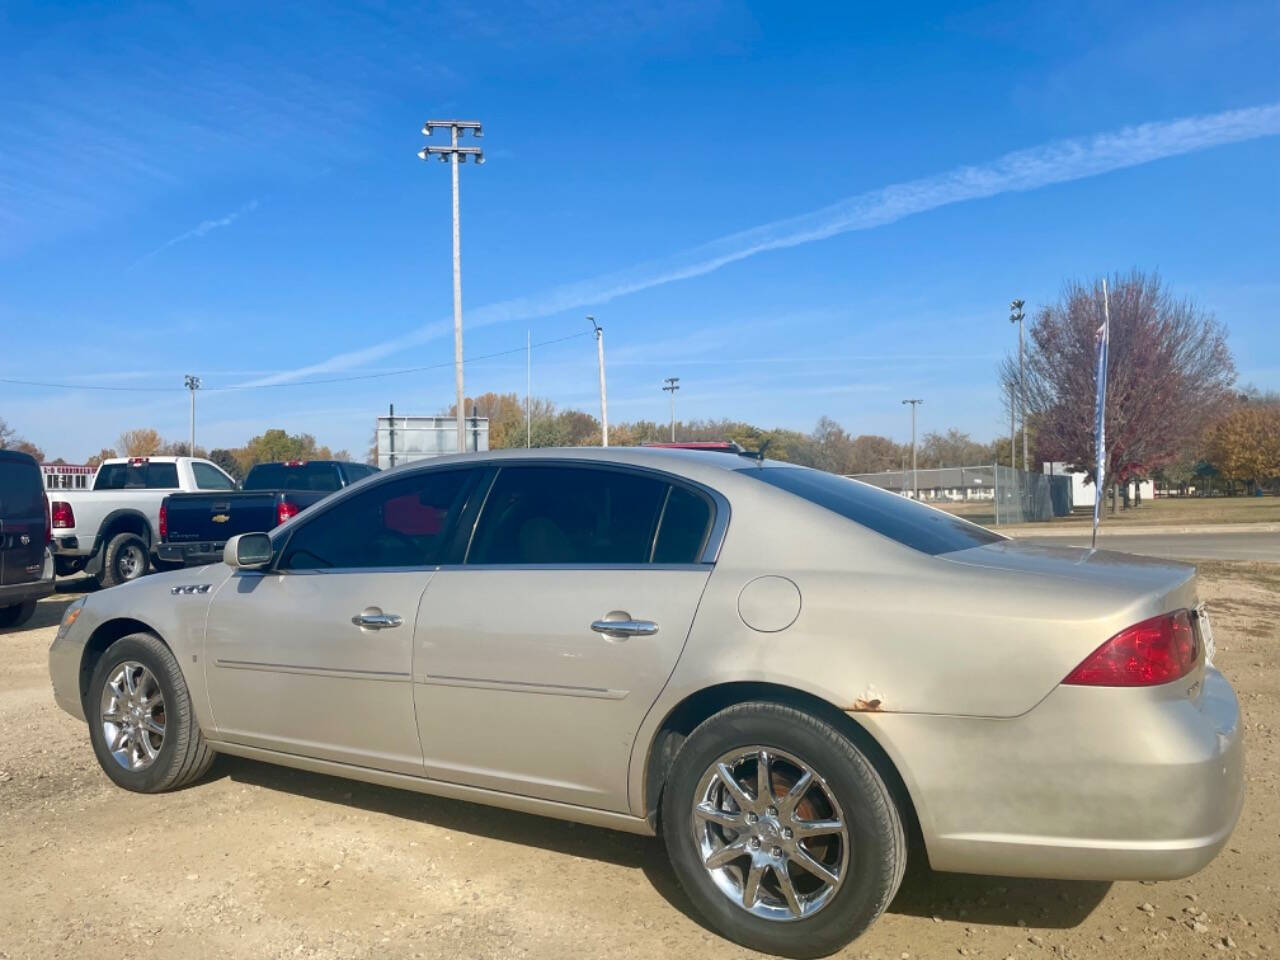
1246 545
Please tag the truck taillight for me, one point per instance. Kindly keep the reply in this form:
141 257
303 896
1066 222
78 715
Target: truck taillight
285 510
164 520
1155 651
64 518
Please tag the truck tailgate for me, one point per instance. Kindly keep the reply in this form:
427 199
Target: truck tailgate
216 517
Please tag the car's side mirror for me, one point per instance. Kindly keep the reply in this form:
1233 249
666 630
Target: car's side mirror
247 551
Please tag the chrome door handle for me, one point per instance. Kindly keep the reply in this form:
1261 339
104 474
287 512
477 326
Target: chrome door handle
372 618
618 625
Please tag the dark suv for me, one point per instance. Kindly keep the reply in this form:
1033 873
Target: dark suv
26 567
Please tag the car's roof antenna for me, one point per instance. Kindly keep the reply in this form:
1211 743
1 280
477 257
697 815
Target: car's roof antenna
757 455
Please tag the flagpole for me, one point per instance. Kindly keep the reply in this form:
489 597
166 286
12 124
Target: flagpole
1100 413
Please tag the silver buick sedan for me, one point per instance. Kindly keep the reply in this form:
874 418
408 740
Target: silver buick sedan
788 674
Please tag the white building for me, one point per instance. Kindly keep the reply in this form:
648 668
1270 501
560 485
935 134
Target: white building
1082 488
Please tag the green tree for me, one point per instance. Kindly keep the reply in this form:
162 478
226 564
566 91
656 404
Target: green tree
228 461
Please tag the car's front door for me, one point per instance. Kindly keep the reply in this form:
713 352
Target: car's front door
314 656
538 657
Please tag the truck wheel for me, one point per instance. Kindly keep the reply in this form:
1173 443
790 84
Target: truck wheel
17 615
141 722
127 558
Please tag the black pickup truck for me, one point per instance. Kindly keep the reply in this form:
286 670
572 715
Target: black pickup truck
194 527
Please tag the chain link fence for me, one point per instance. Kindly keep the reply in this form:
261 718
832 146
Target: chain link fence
986 493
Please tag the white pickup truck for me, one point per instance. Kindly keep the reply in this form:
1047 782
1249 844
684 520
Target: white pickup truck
111 530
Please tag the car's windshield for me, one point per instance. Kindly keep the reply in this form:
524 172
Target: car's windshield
896 517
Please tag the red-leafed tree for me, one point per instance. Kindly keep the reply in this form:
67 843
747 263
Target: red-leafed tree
1169 374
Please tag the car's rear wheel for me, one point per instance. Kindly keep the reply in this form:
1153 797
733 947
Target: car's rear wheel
127 558
141 723
781 831
17 614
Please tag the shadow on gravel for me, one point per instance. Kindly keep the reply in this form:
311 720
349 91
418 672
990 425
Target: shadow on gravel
48 612
998 901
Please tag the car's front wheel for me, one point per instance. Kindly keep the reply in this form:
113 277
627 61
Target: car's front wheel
781 831
141 723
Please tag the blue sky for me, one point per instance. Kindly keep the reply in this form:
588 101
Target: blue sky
800 210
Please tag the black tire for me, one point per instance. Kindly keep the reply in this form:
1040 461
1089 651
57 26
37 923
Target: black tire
127 558
183 756
16 615
877 851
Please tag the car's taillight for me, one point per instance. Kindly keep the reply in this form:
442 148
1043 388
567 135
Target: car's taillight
164 520
1149 653
48 521
285 510
64 518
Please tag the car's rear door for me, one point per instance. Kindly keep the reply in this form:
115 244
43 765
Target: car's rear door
313 656
22 521
520 684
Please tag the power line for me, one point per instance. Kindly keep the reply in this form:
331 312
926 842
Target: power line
297 383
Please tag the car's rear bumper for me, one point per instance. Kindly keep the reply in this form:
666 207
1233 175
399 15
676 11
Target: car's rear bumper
15 593
1093 783
194 554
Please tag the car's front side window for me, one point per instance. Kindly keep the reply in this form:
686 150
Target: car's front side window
403 523
555 515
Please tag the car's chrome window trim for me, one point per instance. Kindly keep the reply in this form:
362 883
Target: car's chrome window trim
574 566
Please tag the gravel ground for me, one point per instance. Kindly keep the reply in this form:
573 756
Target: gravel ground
261 862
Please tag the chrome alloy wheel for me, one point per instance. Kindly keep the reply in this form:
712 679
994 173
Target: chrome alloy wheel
770 833
133 717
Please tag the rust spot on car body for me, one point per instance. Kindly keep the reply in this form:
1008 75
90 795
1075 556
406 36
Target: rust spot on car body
865 706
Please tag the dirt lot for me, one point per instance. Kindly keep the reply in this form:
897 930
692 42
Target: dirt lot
259 862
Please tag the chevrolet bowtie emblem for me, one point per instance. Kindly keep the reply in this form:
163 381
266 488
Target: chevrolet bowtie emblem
220 518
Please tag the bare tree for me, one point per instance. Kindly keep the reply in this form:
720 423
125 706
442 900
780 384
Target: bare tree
1169 374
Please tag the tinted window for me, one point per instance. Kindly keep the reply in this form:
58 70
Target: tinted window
211 478
21 493
302 476
685 522
560 515
909 523
399 524
137 476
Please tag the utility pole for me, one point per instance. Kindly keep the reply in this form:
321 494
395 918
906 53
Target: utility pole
915 477
604 403
193 384
1015 316
673 384
454 155
528 389
1013 430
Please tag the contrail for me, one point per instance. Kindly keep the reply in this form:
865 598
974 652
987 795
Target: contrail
1021 170
205 226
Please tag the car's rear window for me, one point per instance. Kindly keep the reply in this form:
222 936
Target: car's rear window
20 489
896 517
299 476
137 476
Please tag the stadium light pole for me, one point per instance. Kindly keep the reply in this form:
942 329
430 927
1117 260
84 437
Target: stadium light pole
1015 316
454 155
604 403
915 477
192 383
673 384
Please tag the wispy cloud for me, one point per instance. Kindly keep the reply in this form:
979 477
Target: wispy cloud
1057 162
205 227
